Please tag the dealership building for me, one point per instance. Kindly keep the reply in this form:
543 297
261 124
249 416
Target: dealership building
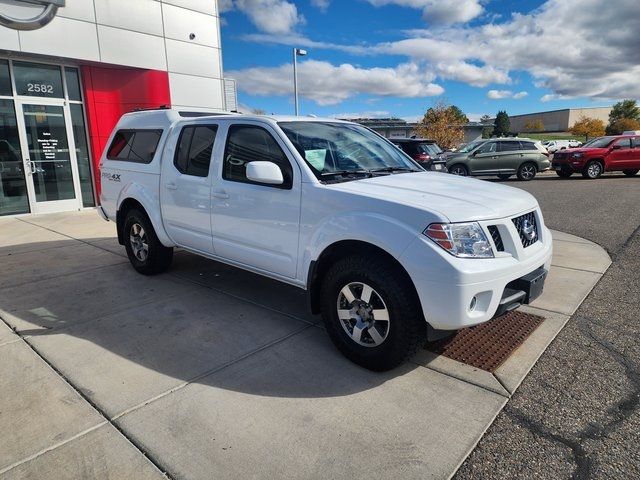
70 68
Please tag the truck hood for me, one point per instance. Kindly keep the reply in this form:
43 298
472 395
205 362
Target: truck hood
457 199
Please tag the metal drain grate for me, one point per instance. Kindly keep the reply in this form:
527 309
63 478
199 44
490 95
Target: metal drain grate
487 346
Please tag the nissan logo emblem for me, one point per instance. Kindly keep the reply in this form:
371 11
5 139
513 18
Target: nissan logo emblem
43 17
528 230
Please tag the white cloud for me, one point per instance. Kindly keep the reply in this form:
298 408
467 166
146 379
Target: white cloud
323 5
328 84
440 11
271 16
500 94
471 74
562 44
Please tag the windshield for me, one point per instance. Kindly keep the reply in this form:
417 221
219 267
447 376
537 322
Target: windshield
342 148
470 146
601 142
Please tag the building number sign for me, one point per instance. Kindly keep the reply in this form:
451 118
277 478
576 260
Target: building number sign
39 88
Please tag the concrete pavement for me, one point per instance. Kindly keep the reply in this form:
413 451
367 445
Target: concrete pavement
209 371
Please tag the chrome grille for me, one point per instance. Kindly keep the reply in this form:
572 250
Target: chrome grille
523 225
497 239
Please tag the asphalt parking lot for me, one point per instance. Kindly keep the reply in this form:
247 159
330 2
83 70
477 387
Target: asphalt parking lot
577 413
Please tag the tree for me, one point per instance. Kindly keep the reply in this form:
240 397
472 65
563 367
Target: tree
485 118
622 125
588 127
443 123
459 114
501 125
258 111
624 109
534 126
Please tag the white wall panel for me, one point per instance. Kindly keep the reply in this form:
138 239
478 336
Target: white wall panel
179 23
193 59
124 47
9 39
63 37
143 16
78 10
210 7
195 91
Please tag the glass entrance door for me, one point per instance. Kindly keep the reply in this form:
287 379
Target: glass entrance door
50 163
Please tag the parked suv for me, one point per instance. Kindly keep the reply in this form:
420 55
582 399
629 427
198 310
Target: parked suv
425 152
500 156
388 253
604 154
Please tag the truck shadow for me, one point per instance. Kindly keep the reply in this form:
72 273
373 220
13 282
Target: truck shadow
123 338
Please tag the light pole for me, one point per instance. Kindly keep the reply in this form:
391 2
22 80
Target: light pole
296 52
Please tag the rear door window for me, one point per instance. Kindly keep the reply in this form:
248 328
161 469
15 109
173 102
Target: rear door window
137 146
635 142
508 146
195 146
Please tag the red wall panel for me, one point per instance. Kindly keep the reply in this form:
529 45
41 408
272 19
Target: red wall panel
109 92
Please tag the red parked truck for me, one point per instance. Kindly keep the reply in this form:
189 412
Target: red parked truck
620 153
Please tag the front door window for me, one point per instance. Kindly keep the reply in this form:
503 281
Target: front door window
49 156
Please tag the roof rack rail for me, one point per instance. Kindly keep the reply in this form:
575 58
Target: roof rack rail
161 107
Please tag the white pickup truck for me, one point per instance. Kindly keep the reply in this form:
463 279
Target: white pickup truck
390 254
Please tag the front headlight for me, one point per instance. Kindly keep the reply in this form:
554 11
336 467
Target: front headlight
461 239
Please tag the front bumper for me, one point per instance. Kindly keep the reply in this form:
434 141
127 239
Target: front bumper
447 285
568 164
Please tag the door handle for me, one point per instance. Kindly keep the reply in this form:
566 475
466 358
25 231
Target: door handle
27 167
219 193
171 186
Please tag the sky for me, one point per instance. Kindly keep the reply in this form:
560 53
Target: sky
397 58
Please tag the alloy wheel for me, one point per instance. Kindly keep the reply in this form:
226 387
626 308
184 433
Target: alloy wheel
527 172
139 242
594 170
363 314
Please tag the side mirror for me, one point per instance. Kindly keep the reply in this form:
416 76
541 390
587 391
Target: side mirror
265 172
616 147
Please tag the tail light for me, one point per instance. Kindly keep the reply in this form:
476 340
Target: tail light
422 157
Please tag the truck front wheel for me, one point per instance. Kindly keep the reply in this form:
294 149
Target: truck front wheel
147 255
371 312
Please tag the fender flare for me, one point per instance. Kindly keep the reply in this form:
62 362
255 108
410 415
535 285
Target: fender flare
151 205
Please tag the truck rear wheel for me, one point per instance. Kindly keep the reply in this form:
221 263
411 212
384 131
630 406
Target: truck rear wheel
147 255
371 312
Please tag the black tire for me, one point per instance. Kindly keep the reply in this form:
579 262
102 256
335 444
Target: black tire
403 333
563 173
592 170
527 171
459 169
504 176
630 173
158 257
